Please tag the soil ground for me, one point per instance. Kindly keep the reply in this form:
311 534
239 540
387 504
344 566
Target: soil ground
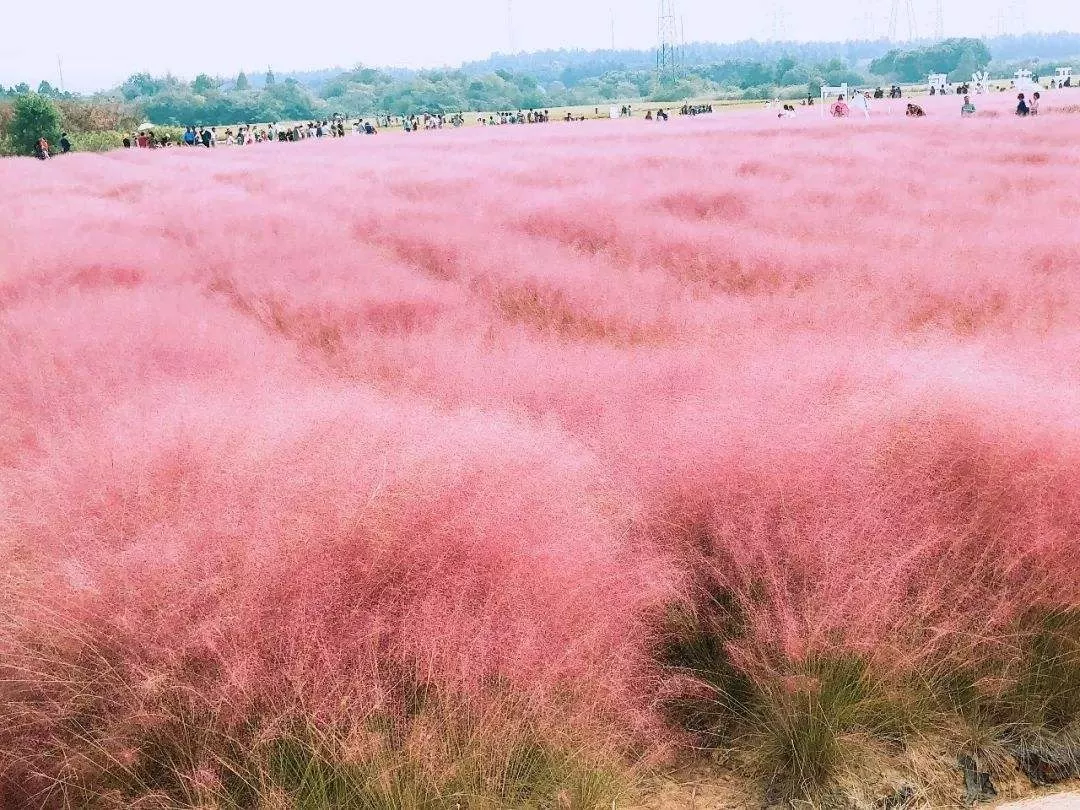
1060 801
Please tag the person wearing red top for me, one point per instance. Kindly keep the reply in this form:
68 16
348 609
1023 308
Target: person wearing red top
840 109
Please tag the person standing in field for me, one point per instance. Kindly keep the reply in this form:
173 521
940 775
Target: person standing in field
840 109
968 110
65 144
1033 107
862 102
41 149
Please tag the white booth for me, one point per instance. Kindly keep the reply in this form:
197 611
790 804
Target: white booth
830 94
1024 83
938 81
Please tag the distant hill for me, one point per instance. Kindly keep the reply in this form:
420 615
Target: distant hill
559 65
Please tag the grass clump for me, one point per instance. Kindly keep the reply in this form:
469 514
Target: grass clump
711 692
437 759
802 724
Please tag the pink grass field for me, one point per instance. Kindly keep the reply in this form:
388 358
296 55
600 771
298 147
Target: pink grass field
281 423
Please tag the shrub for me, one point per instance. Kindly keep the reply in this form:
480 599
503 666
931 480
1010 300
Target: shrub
96 141
33 116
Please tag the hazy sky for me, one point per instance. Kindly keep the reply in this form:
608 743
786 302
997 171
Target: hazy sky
103 42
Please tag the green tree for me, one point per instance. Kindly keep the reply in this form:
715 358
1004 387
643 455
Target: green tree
139 84
33 116
203 84
270 78
22 88
242 81
960 57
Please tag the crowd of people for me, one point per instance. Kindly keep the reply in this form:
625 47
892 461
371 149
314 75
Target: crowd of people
248 134
519 117
861 101
338 126
945 90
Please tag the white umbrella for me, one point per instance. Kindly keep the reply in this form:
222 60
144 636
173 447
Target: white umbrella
146 127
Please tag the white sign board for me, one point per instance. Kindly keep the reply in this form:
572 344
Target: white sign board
614 112
938 81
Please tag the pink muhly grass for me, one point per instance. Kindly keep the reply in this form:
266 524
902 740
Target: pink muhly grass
465 413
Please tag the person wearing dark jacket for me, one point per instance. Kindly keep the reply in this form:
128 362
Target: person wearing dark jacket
65 144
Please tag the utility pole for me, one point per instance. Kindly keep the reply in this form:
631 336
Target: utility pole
939 20
779 21
905 8
60 70
1019 13
613 29
510 25
668 43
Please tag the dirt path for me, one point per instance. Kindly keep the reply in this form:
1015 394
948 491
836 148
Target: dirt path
1063 801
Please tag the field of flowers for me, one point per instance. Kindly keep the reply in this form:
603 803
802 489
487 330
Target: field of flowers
504 467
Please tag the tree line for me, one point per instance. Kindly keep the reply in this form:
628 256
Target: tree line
543 80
